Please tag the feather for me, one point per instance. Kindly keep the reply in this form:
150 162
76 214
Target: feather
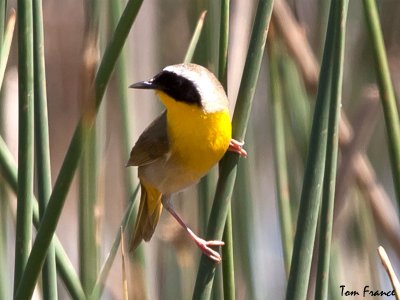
152 144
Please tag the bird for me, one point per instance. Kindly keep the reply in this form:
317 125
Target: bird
181 145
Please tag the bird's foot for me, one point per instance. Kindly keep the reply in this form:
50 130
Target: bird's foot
205 246
236 146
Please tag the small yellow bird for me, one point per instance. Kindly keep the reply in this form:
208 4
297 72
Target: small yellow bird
181 145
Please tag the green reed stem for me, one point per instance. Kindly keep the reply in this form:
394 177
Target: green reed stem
242 213
386 90
3 14
281 172
195 38
49 275
64 266
228 165
328 193
63 182
228 272
6 33
25 139
314 173
131 181
105 269
6 43
297 105
88 239
4 278
223 44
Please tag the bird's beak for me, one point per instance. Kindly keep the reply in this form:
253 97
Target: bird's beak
147 85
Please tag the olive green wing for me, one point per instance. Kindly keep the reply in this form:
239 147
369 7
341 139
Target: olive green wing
152 144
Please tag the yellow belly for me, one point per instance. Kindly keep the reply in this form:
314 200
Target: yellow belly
198 139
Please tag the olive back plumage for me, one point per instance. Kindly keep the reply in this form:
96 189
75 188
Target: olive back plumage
152 144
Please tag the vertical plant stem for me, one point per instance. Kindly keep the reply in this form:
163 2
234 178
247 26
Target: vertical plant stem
281 175
138 257
314 174
3 13
195 38
6 44
297 105
227 259
228 165
64 179
64 265
122 83
88 241
334 271
25 139
223 44
105 269
242 210
4 278
386 90
328 193
228 273
49 274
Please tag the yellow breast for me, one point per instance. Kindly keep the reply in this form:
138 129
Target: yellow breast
198 139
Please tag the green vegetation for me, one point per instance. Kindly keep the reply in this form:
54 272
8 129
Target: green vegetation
301 216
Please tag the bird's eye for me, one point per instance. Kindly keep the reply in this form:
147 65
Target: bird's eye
177 87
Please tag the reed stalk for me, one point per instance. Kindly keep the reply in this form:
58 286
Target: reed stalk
228 272
281 172
49 273
64 179
25 139
89 168
386 90
329 184
314 174
6 34
106 267
228 165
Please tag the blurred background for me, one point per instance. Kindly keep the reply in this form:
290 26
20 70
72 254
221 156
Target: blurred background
166 267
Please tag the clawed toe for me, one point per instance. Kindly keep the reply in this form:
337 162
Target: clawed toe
214 243
212 254
236 146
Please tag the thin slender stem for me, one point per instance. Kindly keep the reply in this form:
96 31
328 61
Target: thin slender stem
228 165
195 38
25 139
390 271
228 272
386 90
49 275
88 239
6 44
64 265
64 179
314 173
329 184
105 269
281 174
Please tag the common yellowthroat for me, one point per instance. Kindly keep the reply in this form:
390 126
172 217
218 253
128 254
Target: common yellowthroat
181 145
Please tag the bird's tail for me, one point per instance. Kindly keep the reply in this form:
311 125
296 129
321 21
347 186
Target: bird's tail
148 215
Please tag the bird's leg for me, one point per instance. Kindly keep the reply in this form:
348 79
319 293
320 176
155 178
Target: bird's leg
236 146
202 244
